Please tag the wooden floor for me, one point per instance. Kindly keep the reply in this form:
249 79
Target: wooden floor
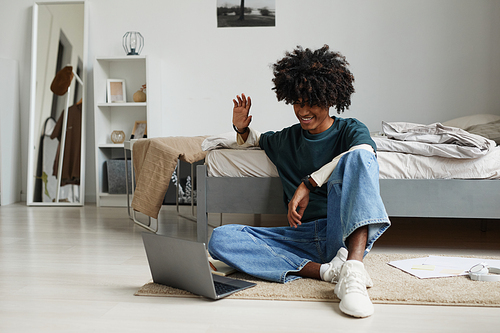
76 270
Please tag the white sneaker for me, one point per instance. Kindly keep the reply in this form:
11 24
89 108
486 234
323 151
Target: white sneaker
333 272
351 289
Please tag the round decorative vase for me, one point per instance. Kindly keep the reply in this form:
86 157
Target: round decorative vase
139 96
117 136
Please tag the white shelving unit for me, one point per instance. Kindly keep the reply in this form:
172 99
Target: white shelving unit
116 116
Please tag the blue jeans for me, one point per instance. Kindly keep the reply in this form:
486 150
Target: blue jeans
275 254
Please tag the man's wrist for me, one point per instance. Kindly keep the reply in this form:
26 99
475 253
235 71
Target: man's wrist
309 183
240 131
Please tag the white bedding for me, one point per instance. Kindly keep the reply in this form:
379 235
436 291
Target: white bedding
435 134
239 163
451 151
254 163
408 151
432 140
408 166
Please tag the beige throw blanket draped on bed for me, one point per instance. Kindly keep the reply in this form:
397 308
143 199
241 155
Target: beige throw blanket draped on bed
154 162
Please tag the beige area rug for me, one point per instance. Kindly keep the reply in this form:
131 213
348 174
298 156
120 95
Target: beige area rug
391 285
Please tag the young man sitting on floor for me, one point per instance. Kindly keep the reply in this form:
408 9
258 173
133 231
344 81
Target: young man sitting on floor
330 178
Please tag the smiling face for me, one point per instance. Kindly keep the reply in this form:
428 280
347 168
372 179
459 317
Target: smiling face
314 119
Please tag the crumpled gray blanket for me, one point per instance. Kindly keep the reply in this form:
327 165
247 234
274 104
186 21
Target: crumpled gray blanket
432 140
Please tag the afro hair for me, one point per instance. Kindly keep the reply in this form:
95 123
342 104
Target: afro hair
318 78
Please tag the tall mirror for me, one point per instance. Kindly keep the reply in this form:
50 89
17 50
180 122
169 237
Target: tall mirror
56 155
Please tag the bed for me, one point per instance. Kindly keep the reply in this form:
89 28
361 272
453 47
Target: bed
236 181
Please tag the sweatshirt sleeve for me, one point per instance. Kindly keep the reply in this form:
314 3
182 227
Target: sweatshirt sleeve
252 140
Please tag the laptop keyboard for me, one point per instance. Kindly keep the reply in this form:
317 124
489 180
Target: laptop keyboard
222 288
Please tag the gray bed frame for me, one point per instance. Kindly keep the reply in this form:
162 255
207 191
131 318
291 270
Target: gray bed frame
438 198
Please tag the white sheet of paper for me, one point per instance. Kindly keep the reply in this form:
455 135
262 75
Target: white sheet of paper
443 266
408 265
459 263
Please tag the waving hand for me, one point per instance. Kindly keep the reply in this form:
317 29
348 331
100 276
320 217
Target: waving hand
242 105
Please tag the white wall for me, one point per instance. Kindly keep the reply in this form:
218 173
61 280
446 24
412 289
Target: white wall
15 24
420 60
10 138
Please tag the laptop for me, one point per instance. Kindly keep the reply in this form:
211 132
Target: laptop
184 265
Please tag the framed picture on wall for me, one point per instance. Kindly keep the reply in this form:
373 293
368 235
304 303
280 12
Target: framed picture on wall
116 91
249 13
140 130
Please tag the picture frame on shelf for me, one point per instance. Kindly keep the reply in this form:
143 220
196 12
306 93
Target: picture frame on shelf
140 130
116 92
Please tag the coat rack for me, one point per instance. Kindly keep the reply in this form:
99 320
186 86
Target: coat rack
64 82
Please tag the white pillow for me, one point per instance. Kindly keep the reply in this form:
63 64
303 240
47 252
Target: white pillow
467 121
